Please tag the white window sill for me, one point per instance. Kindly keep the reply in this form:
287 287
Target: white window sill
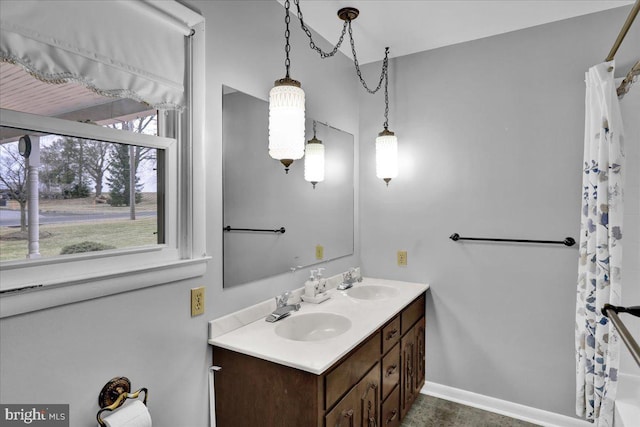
26 300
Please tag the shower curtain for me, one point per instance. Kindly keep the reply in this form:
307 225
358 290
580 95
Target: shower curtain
600 248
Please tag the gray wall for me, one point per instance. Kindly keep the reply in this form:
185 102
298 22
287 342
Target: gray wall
66 354
473 119
490 139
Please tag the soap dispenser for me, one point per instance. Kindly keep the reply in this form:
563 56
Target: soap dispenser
312 293
310 286
322 282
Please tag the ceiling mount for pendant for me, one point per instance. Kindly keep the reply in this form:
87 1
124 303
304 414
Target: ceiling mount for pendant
348 13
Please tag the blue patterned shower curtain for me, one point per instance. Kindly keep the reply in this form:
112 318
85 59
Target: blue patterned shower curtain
599 266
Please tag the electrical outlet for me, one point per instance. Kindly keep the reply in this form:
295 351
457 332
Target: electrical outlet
197 301
319 252
402 258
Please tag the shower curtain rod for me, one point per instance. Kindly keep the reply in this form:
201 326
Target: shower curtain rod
611 311
623 31
635 70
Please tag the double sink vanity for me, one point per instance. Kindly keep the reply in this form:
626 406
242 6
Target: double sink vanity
357 359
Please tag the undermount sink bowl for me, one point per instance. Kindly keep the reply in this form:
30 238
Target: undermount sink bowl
313 326
372 292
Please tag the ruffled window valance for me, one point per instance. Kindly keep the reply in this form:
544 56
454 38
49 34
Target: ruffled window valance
124 49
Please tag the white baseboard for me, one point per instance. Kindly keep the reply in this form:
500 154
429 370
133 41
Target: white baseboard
502 407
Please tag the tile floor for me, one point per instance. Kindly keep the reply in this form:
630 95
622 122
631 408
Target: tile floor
428 411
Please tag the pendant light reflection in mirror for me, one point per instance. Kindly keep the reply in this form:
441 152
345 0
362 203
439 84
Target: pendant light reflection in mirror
314 160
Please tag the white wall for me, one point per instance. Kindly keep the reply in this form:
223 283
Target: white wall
490 139
66 354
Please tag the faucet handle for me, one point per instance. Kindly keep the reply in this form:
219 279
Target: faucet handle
283 299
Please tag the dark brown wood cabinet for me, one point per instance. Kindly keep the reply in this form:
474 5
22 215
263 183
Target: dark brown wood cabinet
420 359
412 354
374 385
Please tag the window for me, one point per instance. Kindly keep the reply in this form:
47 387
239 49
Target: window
83 193
84 78
162 155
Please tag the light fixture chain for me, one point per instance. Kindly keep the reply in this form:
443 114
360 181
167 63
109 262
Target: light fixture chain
287 33
386 92
385 62
312 44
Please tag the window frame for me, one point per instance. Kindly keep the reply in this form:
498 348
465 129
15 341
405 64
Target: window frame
113 271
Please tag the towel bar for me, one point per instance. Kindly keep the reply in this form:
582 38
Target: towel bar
568 241
260 230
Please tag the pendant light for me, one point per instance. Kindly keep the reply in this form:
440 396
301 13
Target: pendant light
314 160
386 142
286 112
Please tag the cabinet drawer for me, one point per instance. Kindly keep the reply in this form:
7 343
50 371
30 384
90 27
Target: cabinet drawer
390 371
390 334
350 370
391 410
412 313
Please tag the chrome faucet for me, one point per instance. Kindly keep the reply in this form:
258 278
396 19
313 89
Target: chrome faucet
349 278
283 308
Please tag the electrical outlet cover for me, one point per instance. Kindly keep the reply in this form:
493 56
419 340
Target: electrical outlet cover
402 258
197 301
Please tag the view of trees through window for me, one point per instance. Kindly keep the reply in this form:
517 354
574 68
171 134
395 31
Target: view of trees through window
92 195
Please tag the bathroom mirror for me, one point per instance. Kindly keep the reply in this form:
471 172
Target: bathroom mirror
259 195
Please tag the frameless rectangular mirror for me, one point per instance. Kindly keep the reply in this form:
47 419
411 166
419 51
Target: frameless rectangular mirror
258 195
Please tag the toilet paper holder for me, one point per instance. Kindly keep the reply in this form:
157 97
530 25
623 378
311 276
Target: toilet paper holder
115 393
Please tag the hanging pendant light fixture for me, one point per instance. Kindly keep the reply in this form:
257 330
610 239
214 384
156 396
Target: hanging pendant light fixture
286 112
314 160
386 142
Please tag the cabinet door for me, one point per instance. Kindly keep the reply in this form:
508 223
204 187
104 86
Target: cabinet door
407 359
344 413
369 393
420 355
361 406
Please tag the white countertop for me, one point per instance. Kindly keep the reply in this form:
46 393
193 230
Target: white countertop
258 338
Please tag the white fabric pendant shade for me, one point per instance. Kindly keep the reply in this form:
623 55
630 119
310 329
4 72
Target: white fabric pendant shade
314 162
286 122
109 46
386 156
